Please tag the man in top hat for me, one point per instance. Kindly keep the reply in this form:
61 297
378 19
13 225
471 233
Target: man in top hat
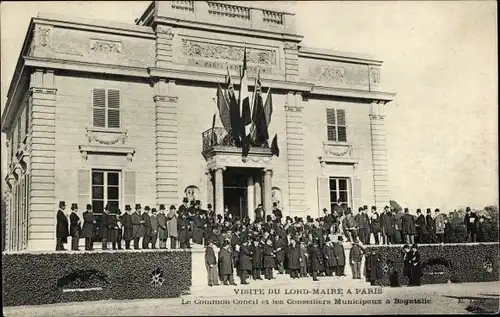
429 220
199 224
119 238
137 226
277 212
211 264
329 257
162 227
62 229
355 257
146 222
316 259
338 250
421 228
182 229
226 265
245 261
154 227
409 229
88 230
471 221
105 223
114 228
375 227
172 227
74 227
259 214
128 227
363 222
211 212
184 207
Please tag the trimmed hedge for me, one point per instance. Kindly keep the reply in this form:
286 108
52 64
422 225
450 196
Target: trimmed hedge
45 278
458 263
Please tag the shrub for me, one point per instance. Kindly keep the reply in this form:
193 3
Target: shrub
458 263
44 278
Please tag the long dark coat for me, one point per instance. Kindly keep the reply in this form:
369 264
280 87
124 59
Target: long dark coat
148 231
74 226
172 224
137 227
375 223
182 229
210 258
113 227
162 226
374 268
198 229
316 259
245 258
128 231
329 256
338 250
303 255
387 223
225 262
422 226
415 267
280 255
318 234
88 225
257 257
62 228
104 226
406 263
430 223
408 224
268 260
471 222
293 257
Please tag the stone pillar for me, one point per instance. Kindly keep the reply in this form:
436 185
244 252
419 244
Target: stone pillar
164 44
250 197
42 149
257 181
379 155
219 190
291 50
166 134
295 154
267 197
210 188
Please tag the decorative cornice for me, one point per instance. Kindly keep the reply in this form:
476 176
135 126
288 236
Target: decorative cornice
163 98
86 149
43 90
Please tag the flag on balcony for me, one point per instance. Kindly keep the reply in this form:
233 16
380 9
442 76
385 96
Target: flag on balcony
275 150
223 109
259 133
234 111
244 101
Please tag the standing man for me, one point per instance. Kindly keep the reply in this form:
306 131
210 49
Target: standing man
316 260
137 226
277 212
146 222
226 268
375 225
268 260
338 250
162 227
355 258
105 222
279 251
439 223
62 230
211 213
128 227
431 226
211 264
387 225
74 227
184 207
172 227
154 228
182 228
257 258
421 226
119 224
293 257
408 227
88 230
245 261
471 223
199 225
113 228
259 214
363 223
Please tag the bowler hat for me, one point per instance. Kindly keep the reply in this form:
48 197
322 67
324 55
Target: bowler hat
209 206
138 206
89 207
172 207
127 208
162 207
185 200
147 208
437 209
74 206
62 204
360 209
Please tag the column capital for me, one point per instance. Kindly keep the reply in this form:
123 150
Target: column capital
223 168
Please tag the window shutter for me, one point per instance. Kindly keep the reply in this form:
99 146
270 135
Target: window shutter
330 116
27 117
83 188
99 107
341 117
323 193
129 188
113 108
357 192
341 125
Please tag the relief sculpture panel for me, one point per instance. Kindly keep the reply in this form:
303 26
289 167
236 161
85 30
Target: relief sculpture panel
334 74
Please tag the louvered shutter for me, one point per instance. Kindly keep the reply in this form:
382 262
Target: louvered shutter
341 125
27 117
357 192
83 188
113 108
330 123
129 188
323 193
99 107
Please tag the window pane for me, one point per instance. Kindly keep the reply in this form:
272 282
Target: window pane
113 98
97 192
330 116
99 116
113 118
97 206
343 184
112 178
113 192
333 184
343 197
332 133
113 205
99 98
340 117
342 134
97 178
333 196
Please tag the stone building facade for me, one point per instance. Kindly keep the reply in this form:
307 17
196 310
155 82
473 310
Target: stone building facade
101 112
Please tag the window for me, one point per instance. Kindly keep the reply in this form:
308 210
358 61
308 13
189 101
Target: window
106 108
336 125
339 189
105 190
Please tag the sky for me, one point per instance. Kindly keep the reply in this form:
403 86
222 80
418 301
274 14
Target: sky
439 57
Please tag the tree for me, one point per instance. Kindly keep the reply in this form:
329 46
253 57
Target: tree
395 207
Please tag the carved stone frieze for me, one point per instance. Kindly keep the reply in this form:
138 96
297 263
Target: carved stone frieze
337 150
165 30
105 46
160 98
43 36
106 138
291 46
227 52
327 73
374 75
43 90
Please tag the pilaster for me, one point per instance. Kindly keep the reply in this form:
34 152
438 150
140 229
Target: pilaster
379 155
295 153
166 136
219 190
291 61
41 149
164 46
267 195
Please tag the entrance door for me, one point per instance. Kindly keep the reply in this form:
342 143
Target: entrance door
235 191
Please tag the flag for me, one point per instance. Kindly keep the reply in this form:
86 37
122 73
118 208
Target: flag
268 108
275 150
234 112
259 133
212 138
244 101
223 108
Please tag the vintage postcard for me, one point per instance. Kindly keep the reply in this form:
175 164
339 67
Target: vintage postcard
172 158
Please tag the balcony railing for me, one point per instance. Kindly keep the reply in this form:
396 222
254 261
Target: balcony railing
230 11
217 137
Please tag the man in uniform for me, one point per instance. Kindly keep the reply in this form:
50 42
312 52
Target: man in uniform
146 222
162 227
154 228
62 229
74 227
137 226
128 228
88 230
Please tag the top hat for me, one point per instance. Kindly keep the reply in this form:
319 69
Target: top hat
260 205
406 210
185 200
365 206
437 209
137 206
467 209
209 206
374 208
89 207
197 202
387 207
418 210
62 204
340 238
428 210
127 208
147 208
275 204
360 209
153 210
107 207
74 206
172 207
162 207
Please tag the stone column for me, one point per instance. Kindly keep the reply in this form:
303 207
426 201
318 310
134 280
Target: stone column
251 197
257 190
210 188
379 155
267 197
219 190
